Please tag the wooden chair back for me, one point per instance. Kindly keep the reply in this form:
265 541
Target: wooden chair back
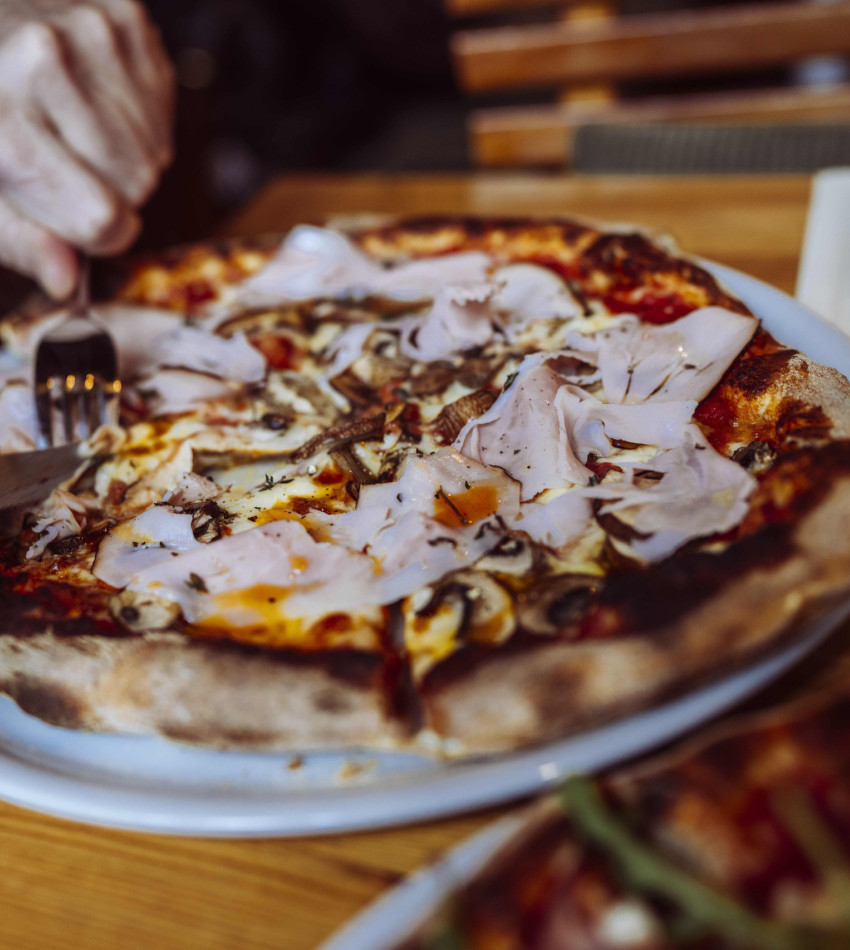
586 47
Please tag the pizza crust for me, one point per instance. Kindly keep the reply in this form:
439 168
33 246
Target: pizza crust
211 694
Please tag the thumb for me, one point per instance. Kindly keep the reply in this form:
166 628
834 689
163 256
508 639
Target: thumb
29 248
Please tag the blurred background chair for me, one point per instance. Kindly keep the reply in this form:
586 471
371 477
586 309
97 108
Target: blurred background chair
650 64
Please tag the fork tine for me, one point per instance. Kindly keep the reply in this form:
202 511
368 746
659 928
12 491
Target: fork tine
70 406
91 410
44 412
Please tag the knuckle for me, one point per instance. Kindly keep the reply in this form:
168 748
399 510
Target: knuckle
100 218
42 43
92 22
131 13
143 184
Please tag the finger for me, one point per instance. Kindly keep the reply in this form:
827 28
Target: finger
90 104
48 184
32 250
149 64
100 61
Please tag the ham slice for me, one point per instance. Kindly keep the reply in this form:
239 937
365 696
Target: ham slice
459 320
593 424
145 542
701 492
437 517
319 262
195 349
526 293
156 553
676 362
526 434
558 522
173 391
61 516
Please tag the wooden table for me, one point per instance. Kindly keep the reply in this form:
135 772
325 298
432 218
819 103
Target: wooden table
67 885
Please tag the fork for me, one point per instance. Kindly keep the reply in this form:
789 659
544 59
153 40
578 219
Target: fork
76 375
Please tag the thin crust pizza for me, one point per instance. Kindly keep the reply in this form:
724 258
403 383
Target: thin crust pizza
456 485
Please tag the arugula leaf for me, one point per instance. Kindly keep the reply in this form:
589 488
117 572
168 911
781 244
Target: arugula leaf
645 871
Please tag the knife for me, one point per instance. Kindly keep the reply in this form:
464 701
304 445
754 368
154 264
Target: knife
29 477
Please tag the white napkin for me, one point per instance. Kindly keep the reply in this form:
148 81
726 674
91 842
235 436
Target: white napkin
823 281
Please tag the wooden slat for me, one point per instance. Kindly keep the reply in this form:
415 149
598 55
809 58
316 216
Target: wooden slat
704 41
463 8
542 136
579 14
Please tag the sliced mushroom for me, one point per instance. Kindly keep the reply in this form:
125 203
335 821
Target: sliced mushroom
476 372
755 457
455 416
435 378
207 519
513 556
552 606
354 389
289 392
352 430
261 321
465 607
141 612
347 459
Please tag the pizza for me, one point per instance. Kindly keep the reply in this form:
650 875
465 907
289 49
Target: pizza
448 485
738 841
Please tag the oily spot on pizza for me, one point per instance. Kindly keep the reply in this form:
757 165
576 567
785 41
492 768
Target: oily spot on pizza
530 475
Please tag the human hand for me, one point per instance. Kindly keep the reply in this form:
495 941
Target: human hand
86 102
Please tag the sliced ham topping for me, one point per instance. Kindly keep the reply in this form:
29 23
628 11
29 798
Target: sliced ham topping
191 489
527 292
593 424
311 262
440 515
307 579
182 390
558 522
348 347
525 433
318 262
61 516
192 348
421 279
458 320
142 543
675 362
136 332
701 492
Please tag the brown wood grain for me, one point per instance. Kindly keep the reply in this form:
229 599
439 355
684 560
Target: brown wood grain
543 135
754 223
63 885
703 41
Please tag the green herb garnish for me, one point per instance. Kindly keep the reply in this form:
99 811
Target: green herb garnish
646 872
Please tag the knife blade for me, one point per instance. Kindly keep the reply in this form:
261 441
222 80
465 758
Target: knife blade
29 477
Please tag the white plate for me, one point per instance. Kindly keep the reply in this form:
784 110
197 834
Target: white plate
150 784
391 919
